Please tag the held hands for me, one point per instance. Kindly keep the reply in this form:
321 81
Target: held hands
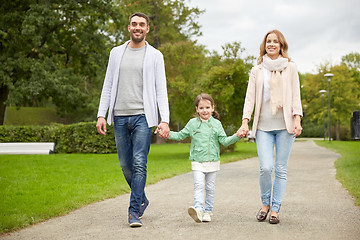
243 130
101 125
163 130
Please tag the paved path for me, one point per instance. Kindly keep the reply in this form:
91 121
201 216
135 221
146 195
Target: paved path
315 207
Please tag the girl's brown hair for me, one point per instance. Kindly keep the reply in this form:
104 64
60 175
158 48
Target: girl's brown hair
205 96
283 45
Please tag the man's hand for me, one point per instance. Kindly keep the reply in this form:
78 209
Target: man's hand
163 130
101 125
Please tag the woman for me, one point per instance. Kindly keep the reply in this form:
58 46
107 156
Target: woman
274 90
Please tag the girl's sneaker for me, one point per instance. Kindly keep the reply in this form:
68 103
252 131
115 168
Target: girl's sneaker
195 214
206 217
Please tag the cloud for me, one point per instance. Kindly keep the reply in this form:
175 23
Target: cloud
317 31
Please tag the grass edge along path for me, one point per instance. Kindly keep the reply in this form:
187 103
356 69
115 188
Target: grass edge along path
35 188
348 166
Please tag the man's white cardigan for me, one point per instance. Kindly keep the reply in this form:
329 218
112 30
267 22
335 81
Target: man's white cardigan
154 85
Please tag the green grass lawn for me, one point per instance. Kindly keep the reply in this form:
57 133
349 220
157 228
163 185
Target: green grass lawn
38 187
348 166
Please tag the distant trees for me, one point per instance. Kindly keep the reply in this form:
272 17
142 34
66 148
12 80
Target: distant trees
344 96
56 51
53 51
191 70
225 78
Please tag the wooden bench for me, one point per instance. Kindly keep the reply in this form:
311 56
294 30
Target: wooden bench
27 148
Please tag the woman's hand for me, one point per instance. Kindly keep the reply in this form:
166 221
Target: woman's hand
244 129
297 128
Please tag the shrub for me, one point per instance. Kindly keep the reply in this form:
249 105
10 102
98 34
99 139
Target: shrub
74 138
312 130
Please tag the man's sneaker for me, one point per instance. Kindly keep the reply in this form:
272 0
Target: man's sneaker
195 214
206 217
143 207
134 220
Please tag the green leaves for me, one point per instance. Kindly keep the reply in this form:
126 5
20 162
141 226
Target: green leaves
53 51
344 95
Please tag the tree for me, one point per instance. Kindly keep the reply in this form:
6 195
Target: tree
344 97
170 20
225 79
57 50
352 60
52 51
184 62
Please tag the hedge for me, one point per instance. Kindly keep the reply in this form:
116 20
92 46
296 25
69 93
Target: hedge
74 138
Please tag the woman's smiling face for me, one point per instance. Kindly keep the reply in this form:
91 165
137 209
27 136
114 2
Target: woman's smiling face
272 46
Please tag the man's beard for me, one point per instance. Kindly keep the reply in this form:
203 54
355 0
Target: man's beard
135 39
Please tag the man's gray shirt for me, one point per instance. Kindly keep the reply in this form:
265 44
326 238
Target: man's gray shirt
129 99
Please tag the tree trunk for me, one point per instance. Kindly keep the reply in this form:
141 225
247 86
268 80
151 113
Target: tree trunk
337 130
4 92
156 26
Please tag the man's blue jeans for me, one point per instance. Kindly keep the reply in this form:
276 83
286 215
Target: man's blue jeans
265 143
133 138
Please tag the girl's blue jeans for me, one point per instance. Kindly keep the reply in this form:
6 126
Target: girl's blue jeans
133 138
204 182
265 142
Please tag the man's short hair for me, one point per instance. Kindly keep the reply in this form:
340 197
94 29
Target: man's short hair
139 14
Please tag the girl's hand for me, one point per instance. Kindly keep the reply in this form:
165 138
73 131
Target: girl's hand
163 130
244 129
161 133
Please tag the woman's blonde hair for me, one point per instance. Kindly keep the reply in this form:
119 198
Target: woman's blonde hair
283 45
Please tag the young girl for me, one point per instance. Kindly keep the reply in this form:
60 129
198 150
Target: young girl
206 132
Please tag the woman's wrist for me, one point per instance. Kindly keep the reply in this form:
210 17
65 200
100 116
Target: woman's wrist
245 121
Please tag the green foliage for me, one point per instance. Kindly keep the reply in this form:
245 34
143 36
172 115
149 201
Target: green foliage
53 51
73 138
31 116
56 51
54 185
348 166
344 99
312 130
190 72
171 21
225 79
352 60
184 65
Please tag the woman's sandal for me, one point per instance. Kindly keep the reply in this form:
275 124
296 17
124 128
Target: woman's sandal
261 215
274 219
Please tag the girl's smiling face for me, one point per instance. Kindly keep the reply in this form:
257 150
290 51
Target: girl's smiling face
204 109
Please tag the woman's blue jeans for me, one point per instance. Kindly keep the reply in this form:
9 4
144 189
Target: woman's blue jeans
133 138
265 142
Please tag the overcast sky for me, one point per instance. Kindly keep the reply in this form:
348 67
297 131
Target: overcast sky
317 31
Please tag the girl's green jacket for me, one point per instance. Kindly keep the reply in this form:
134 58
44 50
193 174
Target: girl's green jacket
205 138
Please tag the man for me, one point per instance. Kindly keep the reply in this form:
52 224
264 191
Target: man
134 86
